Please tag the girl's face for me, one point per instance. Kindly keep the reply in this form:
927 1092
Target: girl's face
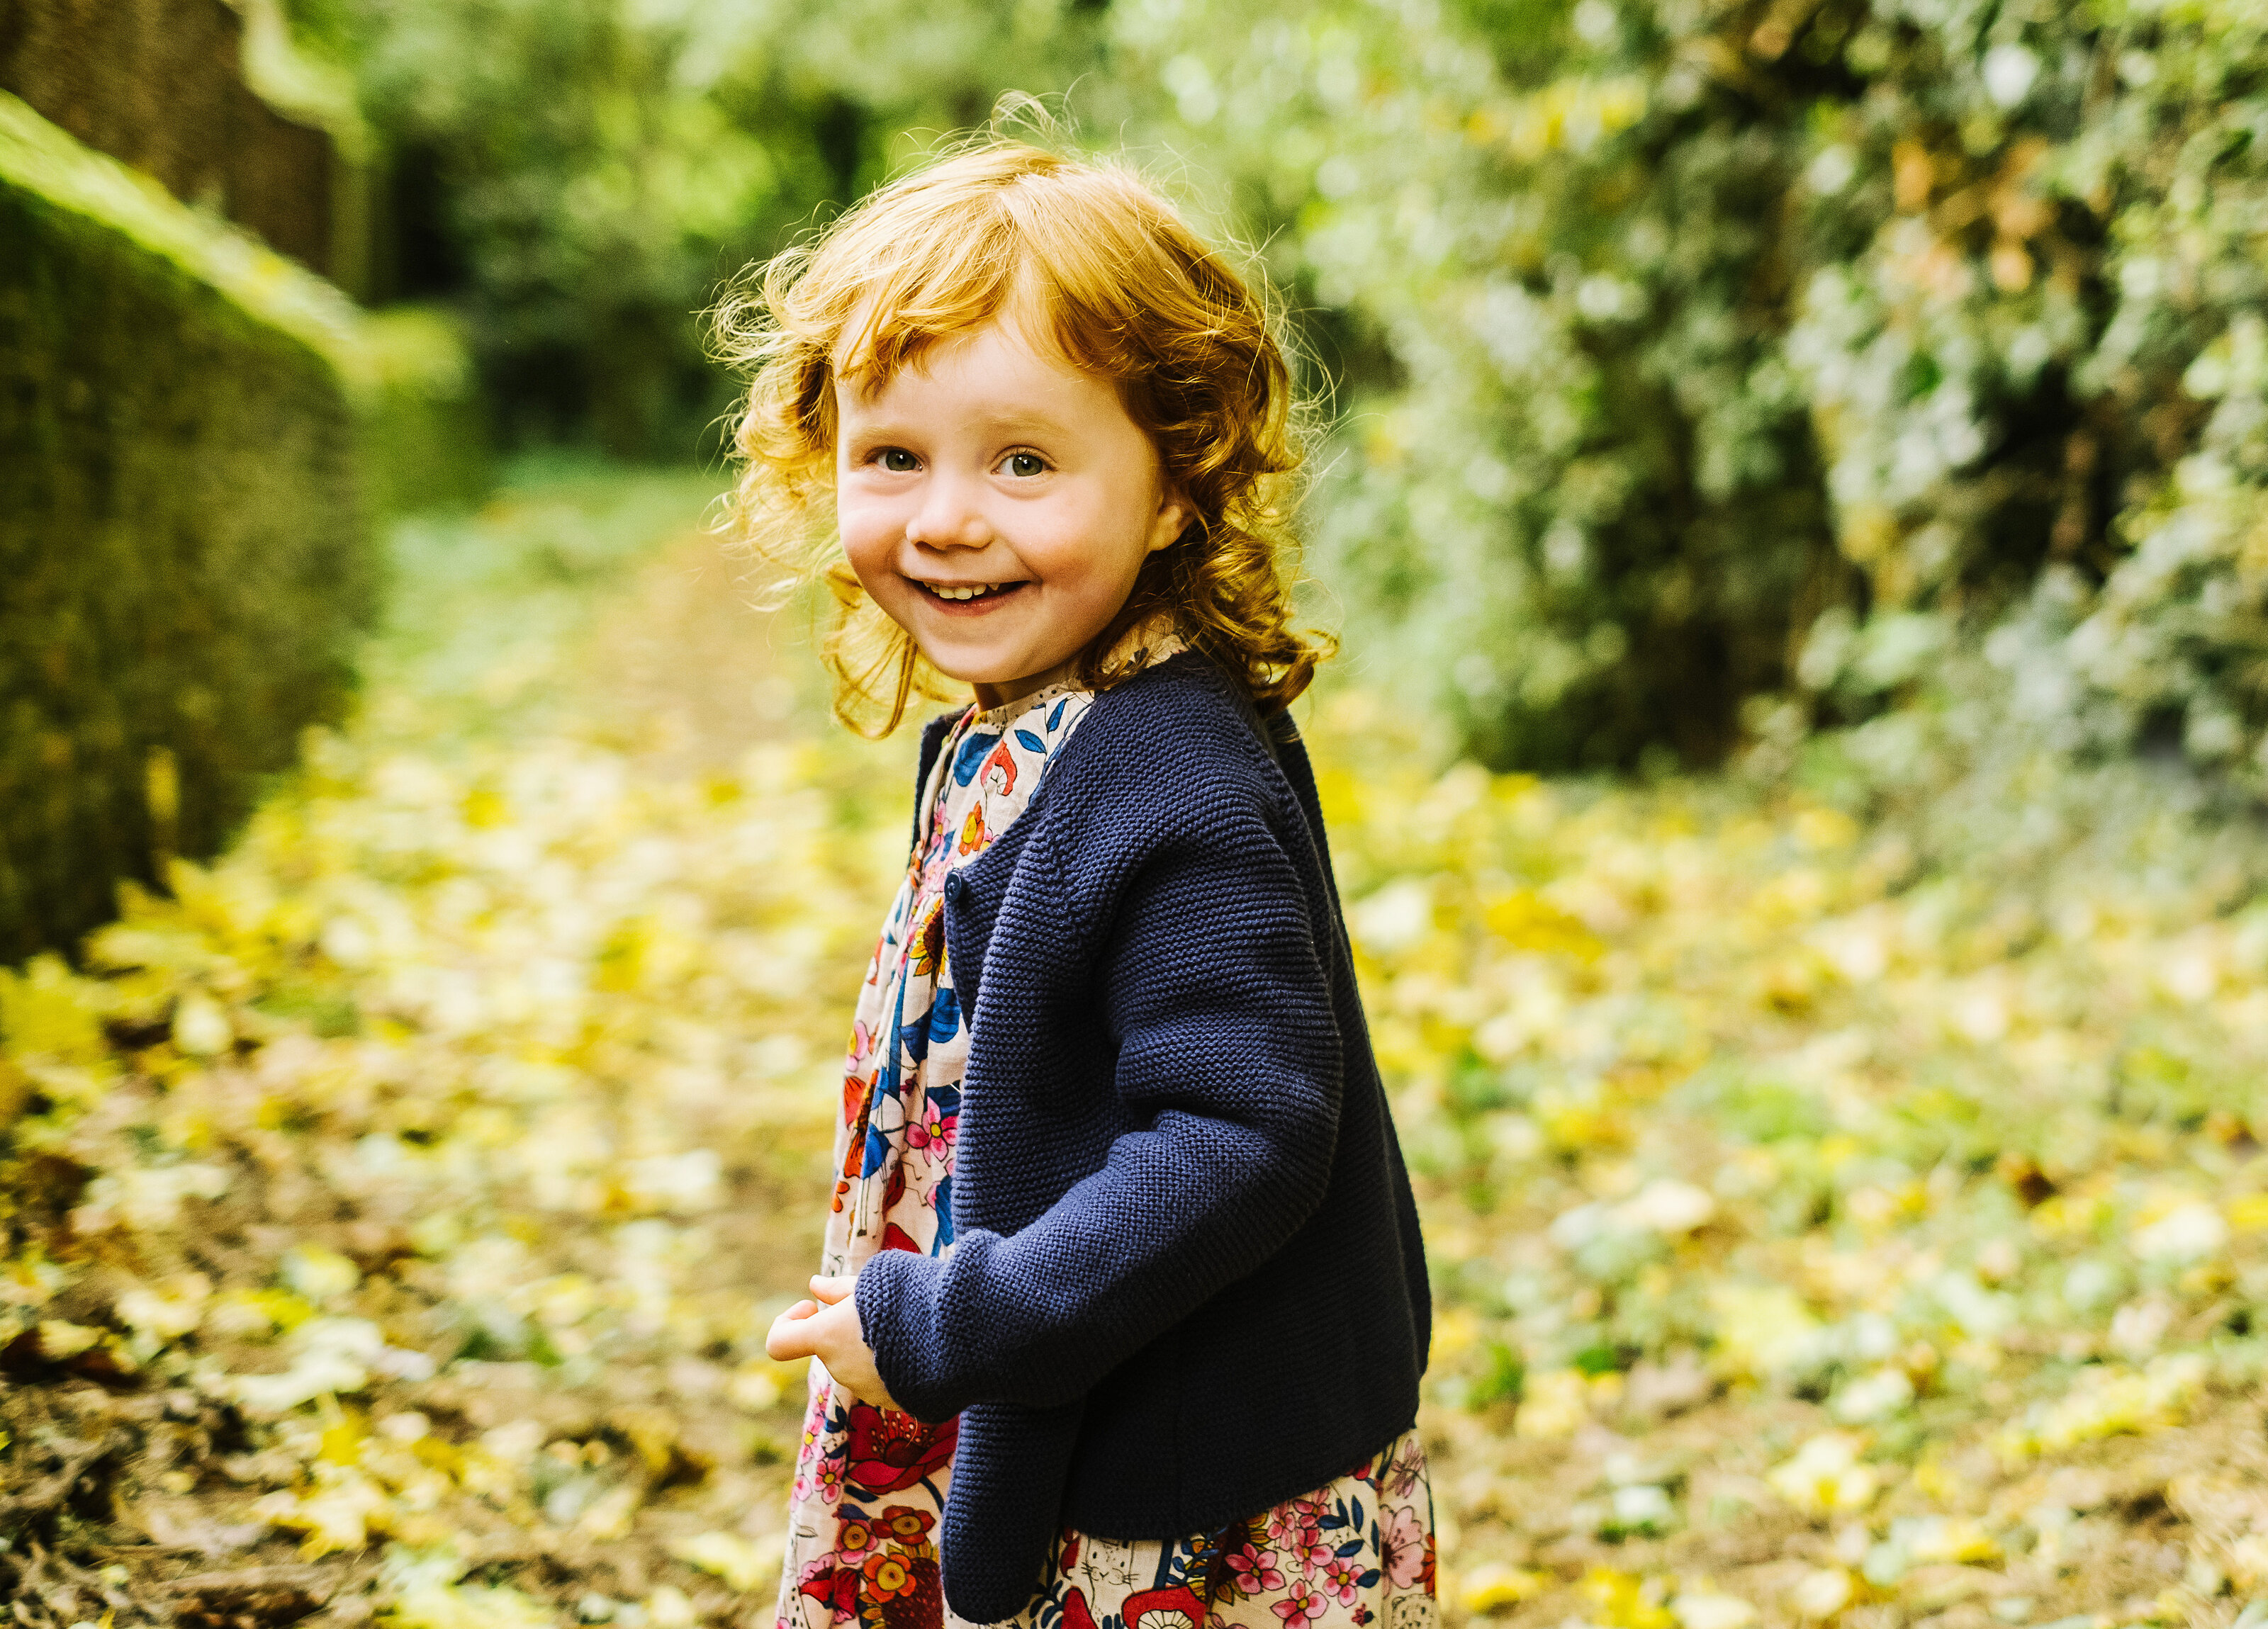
996 503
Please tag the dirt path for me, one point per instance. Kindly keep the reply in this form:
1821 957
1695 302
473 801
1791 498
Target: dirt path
397 1211
536 1180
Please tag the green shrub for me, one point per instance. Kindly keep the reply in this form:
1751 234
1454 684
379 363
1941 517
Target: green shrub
425 430
1773 348
183 535
592 169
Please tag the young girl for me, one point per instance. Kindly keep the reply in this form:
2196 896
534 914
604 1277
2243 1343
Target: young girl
1122 1308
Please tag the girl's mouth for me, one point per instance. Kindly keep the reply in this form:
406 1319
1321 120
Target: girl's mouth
970 593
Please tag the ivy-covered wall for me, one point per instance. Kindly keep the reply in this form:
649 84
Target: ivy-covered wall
183 535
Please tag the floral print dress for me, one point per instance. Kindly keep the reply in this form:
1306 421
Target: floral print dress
871 1484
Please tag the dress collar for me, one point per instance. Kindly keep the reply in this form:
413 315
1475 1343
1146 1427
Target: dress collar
1138 647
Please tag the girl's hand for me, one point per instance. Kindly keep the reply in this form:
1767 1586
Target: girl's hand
827 1329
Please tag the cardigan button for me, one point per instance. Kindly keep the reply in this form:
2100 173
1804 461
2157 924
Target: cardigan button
956 887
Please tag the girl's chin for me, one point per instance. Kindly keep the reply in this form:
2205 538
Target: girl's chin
994 681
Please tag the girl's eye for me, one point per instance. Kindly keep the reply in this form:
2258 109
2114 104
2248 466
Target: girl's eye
1025 465
897 460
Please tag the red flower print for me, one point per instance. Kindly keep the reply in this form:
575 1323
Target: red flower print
1303 1607
1163 1608
1342 1577
907 1524
890 1450
888 1577
838 1587
1425 1575
1406 1544
1000 772
1253 1569
921 1603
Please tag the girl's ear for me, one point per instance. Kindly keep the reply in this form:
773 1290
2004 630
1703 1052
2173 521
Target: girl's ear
1172 519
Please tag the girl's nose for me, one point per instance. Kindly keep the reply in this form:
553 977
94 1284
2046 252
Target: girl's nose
949 518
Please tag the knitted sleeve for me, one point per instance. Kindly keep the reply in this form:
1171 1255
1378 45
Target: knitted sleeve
1227 1049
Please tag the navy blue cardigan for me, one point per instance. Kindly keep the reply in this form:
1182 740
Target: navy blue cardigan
1187 1282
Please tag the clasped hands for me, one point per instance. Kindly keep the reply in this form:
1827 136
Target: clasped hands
828 1328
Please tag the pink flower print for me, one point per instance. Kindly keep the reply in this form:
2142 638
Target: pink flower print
1299 1610
1253 1569
1400 1478
827 1476
1404 1543
932 1130
1284 1522
1310 1551
1342 1578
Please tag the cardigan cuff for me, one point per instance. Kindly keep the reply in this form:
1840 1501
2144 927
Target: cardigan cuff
893 1295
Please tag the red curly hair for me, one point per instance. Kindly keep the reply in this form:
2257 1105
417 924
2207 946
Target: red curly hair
1125 290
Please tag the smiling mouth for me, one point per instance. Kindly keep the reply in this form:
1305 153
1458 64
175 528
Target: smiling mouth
958 592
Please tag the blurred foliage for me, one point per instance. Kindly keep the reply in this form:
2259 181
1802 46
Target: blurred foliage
1584 512
1772 346
183 540
1832 1219
427 442
581 175
1695 358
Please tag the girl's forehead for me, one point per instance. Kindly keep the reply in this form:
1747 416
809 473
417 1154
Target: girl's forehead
1018 345
904 319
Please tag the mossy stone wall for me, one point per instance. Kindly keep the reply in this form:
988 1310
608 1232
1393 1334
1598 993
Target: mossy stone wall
183 538
162 84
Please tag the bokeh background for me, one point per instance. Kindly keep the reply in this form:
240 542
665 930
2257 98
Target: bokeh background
1790 483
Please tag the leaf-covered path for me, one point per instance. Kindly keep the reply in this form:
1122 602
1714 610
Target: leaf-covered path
1831 1218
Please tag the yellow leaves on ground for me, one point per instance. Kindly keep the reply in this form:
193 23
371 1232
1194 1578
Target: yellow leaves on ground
746 1565
2108 1401
1796 1189
1826 1477
436 1605
1492 1586
1942 1164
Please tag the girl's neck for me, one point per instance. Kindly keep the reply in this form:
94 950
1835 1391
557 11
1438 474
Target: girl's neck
1150 641
991 698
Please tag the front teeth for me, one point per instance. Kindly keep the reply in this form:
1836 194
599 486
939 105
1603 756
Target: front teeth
970 592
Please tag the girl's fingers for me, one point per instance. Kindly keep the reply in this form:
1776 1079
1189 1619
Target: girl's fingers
789 1336
831 1290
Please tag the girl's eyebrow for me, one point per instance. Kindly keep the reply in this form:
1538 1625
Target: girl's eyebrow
1012 419
1007 422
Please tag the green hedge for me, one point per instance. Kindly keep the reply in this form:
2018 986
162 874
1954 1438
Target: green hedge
183 535
1750 360
425 424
